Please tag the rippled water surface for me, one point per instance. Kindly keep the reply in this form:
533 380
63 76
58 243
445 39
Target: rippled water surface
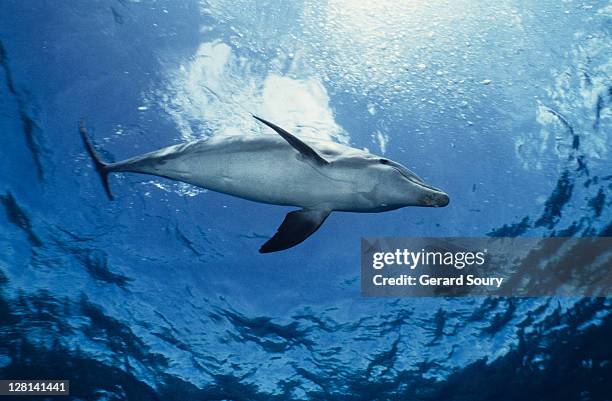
162 295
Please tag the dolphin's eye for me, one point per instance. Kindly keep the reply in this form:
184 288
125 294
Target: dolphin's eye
383 161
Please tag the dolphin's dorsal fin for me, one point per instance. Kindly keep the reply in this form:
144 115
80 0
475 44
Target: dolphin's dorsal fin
300 146
297 226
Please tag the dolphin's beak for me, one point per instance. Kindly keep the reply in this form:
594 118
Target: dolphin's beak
435 198
443 200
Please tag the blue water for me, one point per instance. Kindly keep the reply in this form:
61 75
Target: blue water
162 295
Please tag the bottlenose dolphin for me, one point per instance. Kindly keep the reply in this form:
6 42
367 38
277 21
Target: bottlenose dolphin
318 176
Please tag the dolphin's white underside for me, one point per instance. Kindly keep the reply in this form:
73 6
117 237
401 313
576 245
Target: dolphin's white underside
262 168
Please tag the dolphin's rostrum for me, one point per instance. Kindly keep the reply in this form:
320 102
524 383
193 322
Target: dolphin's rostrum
319 177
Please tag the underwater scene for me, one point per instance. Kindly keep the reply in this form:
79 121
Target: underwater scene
163 294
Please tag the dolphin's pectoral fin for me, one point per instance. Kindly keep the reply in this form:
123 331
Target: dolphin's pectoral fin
300 146
297 226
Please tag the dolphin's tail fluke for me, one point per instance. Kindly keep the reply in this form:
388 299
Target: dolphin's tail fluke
101 167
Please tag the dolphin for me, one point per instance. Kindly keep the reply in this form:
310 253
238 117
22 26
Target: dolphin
318 177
